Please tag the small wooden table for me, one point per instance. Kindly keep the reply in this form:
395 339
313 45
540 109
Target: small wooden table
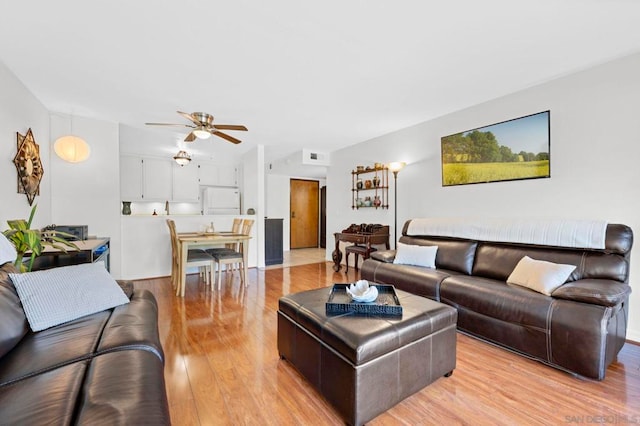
189 240
362 238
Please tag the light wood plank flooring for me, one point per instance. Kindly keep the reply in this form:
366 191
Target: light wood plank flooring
222 367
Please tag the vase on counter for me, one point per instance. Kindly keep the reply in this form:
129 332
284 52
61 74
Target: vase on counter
126 208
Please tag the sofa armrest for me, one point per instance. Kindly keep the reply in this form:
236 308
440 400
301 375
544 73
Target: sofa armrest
385 256
594 291
127 287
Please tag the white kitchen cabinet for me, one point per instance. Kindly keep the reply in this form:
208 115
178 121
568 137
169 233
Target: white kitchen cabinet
185 183
145 179
217 175
130 178
157 179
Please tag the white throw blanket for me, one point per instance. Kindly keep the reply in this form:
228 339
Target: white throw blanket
548 232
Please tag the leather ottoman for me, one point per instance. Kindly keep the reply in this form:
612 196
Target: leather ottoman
364 365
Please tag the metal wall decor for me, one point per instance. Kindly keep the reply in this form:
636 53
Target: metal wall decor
28 165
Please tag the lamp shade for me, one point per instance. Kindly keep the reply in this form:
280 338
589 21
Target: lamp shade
72 149
396 166
202 133
182 158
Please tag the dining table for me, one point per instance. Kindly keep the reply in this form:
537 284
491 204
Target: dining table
189 240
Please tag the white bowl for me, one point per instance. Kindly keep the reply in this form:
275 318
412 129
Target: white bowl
361 291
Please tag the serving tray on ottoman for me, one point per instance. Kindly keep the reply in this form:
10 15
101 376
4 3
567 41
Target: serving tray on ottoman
386 304
365 364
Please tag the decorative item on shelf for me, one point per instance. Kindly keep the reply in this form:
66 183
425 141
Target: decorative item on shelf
28 166
377 202
126 208
359 168
378 166
359 184
251 211
376 181
182 158
359 202
368 184
367 201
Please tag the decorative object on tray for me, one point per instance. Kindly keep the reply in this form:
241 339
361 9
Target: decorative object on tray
385 304
361 291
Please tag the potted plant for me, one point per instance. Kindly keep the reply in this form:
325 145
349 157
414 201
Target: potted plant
30 240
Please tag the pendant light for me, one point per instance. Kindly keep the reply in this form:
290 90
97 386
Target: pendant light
70 148
182 158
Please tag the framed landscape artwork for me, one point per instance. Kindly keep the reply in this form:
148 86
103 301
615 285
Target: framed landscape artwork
510 150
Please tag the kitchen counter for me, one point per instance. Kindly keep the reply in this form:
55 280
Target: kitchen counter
146 247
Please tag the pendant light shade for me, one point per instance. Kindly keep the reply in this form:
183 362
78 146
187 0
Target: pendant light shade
72 149
182 158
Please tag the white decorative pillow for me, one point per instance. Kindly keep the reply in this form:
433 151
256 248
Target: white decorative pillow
58 295
540 275
7 250
409 254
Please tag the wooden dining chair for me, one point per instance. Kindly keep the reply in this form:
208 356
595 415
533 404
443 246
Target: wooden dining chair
195 258
235 229
230 258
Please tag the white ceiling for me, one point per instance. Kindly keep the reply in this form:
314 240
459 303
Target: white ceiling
300 74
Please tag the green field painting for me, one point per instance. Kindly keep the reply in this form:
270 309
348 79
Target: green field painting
510 150
464 173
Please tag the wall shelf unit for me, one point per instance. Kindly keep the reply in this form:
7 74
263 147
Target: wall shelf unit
370 187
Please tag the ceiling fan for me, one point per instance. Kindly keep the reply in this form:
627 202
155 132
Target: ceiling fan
203 127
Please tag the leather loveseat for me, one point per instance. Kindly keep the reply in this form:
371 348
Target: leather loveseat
105 368
579 328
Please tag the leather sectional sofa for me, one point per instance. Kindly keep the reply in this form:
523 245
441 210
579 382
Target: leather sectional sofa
579 328
105 368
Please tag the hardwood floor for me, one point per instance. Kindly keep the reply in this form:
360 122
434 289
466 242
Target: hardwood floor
222 367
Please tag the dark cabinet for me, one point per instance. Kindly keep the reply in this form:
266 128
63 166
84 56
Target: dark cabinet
273 242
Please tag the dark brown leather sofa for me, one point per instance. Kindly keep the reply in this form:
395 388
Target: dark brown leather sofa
105 368
580 328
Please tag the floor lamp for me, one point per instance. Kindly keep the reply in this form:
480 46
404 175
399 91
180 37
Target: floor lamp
395 167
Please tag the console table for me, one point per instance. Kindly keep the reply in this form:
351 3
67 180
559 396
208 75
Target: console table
365 235
89 251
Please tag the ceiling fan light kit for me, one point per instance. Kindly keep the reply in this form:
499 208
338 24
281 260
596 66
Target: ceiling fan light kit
182 158
202 133
202 127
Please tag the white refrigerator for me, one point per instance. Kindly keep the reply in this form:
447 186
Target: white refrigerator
220 200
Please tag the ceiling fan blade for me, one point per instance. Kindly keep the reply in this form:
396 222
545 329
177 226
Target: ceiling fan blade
227 137
188 116
168 124
229 127
190 137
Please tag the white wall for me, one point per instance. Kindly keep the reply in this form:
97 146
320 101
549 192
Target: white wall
595 146
253 184
19 111
88 193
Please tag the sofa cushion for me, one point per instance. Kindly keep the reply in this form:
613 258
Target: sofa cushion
13 322
597 292
408 254
58 295
7 250
385 256
48 398
540 275
54 347
454 255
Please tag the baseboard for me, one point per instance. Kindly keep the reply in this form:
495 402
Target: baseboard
633 336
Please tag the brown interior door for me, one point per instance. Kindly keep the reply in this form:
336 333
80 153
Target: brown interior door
304 213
